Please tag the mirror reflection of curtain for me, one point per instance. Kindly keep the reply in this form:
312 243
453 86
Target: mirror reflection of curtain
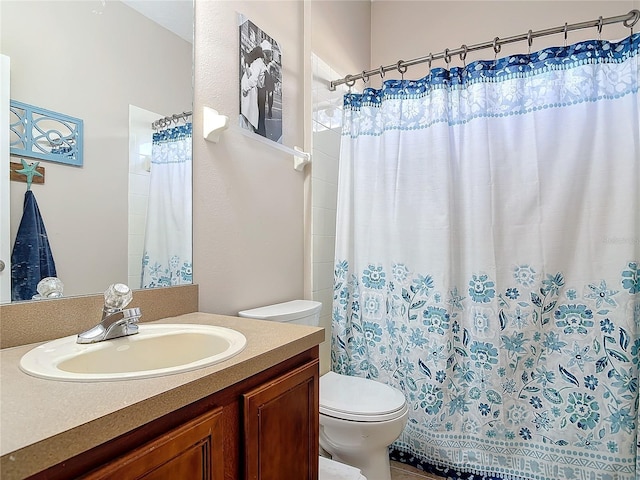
167 258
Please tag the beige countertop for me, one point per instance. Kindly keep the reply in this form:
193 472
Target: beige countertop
44 422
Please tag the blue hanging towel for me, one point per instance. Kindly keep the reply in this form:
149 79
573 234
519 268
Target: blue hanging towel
31 259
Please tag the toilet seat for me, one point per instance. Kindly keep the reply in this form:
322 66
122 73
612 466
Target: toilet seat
359 399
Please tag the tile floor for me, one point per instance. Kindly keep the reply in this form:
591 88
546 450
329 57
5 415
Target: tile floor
400 471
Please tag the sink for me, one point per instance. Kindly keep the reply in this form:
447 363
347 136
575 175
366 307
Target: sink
157 350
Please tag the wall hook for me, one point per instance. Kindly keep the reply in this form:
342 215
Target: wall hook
29 171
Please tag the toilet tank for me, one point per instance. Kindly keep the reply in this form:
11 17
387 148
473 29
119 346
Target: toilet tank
301 312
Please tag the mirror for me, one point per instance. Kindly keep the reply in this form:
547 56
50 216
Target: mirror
111 65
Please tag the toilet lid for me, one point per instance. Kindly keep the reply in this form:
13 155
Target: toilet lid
284 312
359 399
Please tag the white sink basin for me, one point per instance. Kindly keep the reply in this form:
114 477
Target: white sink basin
157 350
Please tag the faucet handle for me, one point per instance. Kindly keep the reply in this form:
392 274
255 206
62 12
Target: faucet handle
117 296
49 287
131 315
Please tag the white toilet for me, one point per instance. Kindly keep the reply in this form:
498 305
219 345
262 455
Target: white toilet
359 418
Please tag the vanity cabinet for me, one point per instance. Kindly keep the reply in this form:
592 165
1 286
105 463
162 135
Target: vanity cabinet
264 427
281 427
193 451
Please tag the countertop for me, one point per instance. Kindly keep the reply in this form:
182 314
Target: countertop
44 422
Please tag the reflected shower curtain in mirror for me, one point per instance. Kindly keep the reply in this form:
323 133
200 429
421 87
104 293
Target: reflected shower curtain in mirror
488 261
167 256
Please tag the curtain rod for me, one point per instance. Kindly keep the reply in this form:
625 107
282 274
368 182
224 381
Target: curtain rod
628 20
166 121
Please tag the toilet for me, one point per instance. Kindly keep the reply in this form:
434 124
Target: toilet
359 418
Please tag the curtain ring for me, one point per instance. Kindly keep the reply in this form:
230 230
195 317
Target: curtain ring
447 57
381 72
401 67
496 46
600 27
463 55
430 61
530 40
565 33
632 21
365 77
349 81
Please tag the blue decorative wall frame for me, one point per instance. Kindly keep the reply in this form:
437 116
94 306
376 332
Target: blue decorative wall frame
45 135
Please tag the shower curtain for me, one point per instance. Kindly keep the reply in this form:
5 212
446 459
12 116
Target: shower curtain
488 261
167 258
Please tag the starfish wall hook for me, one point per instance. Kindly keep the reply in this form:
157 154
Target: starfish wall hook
29 171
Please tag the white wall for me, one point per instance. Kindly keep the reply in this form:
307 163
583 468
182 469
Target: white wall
70 60
5 251
327 125
140 148
341 34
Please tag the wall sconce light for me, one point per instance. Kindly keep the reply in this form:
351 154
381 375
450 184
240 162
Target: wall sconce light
213 124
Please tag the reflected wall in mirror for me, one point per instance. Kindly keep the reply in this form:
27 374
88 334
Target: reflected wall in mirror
97 61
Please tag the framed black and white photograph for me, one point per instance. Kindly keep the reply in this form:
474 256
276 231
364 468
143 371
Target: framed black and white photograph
260 81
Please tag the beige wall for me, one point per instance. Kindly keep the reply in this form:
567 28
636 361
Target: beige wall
411 29
249 202
67 59
248 199
341 33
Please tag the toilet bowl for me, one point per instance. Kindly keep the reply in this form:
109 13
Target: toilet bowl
359 418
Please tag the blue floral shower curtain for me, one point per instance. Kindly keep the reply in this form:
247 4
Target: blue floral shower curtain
488 261
167 258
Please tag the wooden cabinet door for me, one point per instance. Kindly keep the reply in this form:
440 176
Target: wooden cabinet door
281 427
192 451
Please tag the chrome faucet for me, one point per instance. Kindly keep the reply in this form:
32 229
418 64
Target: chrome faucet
117 321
